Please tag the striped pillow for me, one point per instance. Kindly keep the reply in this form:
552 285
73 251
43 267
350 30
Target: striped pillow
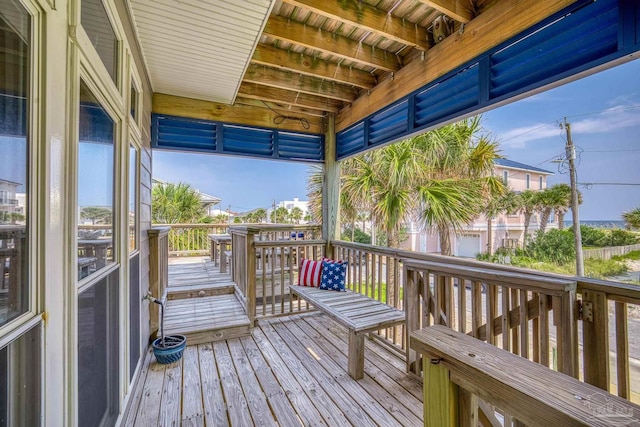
309 273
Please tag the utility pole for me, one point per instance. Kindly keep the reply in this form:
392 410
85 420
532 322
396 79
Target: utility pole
573 177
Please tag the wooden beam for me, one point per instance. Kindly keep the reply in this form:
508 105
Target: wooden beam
368 18
282 96
315 67
240 114
280 108
332 44
282 79
455 9
480 35
330 187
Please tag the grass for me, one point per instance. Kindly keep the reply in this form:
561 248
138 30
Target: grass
373 293
633 256
597 268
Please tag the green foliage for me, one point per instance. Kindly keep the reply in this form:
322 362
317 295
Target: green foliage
359 236
592 236
554 246
602 268
176 204
632 218
96 214
619 237
633 256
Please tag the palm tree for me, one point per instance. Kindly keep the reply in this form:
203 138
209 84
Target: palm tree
458 166
175 204
557 198
565 203
259 215
280 215
296 214
632 218
494 207
527 203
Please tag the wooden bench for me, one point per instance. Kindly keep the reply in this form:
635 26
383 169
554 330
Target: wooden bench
461 372
356 312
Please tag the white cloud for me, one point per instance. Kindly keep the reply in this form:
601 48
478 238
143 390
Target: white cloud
612 119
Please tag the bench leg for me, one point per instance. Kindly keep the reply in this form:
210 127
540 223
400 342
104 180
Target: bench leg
356 355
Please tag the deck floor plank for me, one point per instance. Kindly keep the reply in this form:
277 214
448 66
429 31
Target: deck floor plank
237 405
215 410
256 399
365 406
192 408
171 405
149 408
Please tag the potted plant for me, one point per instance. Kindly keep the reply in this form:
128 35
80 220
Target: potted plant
167 349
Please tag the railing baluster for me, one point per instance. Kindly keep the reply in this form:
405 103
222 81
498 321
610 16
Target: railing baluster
622 350
524 324
506 319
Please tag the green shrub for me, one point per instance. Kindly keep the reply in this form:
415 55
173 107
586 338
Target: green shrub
358 236
633 255
554 246
620 237
592 236
602 268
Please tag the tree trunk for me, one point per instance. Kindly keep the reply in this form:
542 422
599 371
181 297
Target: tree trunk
489 236
527 221
544 219
560 213
393 241
445 239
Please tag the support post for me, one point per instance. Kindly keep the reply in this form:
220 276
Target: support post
595 329
440 395
330 187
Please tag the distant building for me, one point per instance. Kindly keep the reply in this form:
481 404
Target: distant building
295 203
10 209
507 229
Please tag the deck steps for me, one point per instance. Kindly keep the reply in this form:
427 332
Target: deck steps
202 304
206 319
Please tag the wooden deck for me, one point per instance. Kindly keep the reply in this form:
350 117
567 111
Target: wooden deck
288 372
201 302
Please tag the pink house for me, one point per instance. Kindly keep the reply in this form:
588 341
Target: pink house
508 229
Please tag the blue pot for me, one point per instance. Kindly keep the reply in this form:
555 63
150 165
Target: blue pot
170 350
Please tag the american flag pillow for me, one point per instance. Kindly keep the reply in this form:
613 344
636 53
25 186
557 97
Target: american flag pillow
309 273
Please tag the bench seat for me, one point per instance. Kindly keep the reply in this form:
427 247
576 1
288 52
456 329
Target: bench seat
356 312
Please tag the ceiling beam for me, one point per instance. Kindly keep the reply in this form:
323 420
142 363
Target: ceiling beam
332 44
459 10
282 79
368 18
238 114
282 109
480 35
289 97
316 67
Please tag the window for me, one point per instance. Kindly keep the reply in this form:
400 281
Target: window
133 198
15 78
96 24
505 177
135 95
528 181
20 385
96 153
540 183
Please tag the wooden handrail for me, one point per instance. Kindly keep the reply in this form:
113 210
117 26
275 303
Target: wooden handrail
460 370
158 271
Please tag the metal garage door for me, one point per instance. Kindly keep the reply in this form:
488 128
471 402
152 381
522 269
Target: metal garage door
468 245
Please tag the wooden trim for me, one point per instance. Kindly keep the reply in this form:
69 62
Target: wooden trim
330 187
368 18
480 35
315 67
282 79
456 9
290 97
240 114
331 44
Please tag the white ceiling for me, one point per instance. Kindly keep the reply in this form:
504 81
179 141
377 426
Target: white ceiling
199 48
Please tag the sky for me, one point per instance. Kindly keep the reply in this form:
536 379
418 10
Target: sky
603 110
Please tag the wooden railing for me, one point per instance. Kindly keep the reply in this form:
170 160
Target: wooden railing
265 262
600 307
191 239
469 383
509 310
158 271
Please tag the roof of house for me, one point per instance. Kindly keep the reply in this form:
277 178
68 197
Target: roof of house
506 163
